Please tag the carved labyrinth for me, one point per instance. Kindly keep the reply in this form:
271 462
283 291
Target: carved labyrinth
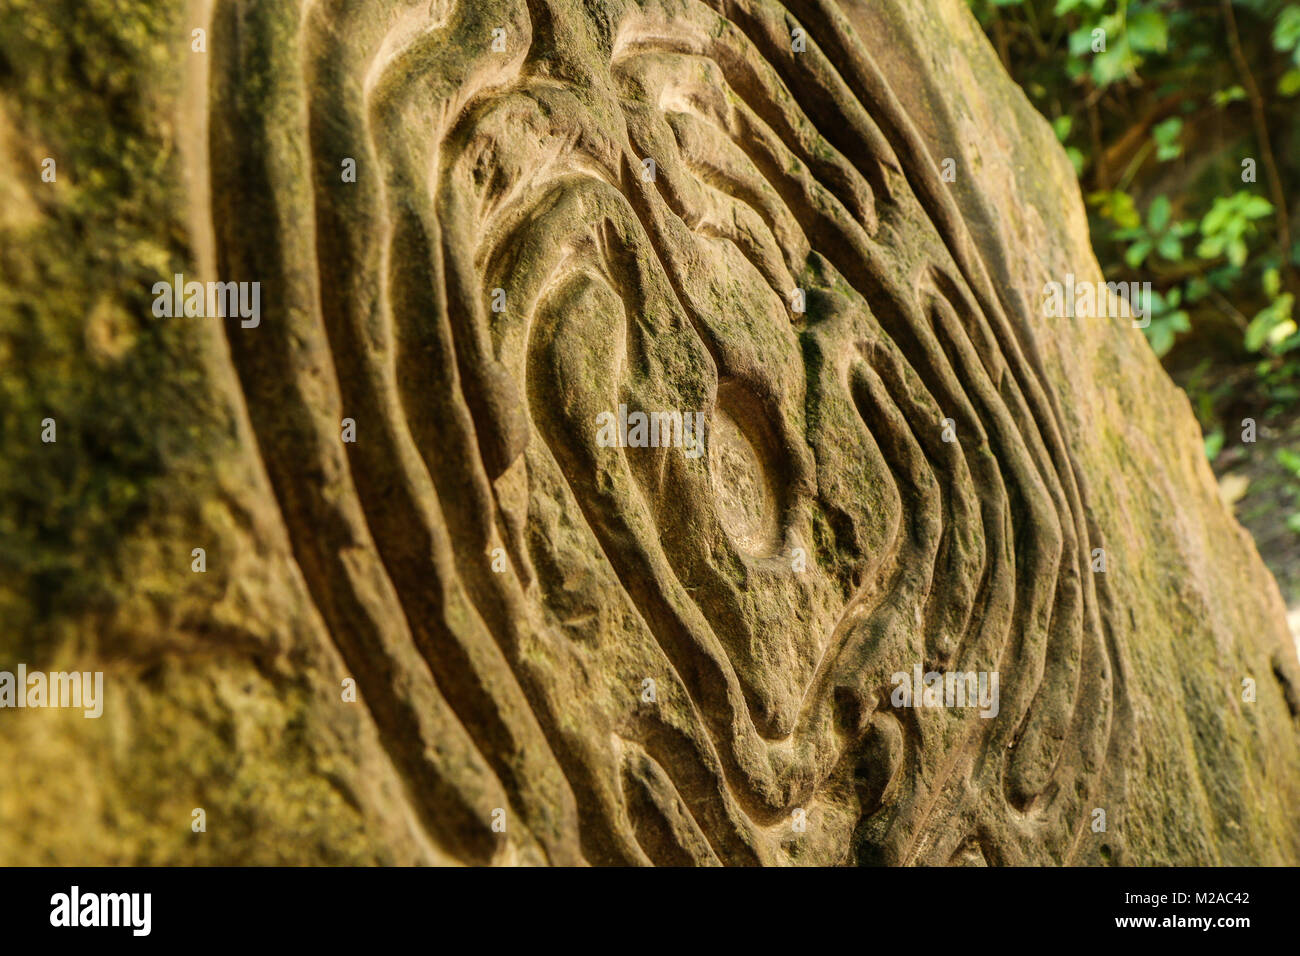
523 686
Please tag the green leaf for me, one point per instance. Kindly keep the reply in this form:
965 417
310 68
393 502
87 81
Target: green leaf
1214 444
1256 207
1158 214
1061 126
1214 220
1137 253
1272 282
1289 84
1293 522
1286 32
1077 159
1281 333
1270 325
1081 41
1210 247
1161 337
1117 206
1166 133
1257 332
1148 31
1289 460
1237 252
1066 6
1229 95
1113 64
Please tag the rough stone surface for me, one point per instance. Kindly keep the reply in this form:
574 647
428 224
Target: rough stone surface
499 584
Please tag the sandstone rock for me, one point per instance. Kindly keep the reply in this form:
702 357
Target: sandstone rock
479 227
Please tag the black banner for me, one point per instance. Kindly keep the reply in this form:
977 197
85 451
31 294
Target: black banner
641 908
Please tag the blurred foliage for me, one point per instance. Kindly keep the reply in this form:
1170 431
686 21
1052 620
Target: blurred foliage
1182 120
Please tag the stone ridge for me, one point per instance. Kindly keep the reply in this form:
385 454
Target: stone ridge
637 414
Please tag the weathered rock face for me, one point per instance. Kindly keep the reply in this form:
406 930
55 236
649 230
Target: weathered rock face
488 235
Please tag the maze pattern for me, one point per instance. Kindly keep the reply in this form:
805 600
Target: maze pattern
777 166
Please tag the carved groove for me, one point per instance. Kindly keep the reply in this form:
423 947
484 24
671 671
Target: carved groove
521 170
